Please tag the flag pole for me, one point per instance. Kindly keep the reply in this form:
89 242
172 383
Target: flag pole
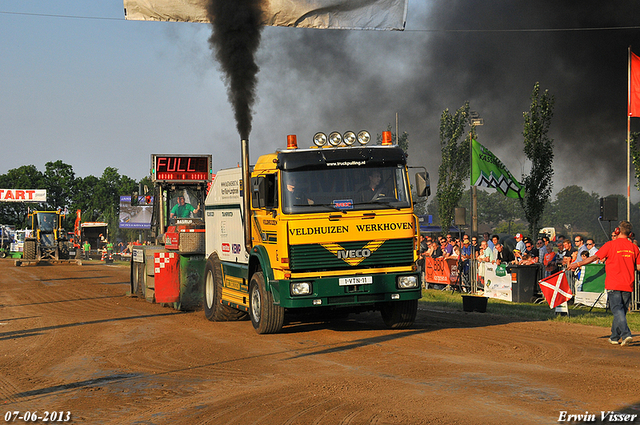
628 134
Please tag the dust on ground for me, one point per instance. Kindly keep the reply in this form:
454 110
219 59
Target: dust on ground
72 340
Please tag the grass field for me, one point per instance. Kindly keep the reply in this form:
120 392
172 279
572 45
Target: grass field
447 300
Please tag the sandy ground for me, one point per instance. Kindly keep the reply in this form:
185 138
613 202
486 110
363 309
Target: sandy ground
72 340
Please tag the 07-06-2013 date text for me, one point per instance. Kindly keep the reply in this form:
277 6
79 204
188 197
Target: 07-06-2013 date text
46 416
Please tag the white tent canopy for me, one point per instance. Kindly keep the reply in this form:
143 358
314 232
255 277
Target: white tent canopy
335 14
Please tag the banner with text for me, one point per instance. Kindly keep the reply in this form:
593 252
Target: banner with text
441 271
23 195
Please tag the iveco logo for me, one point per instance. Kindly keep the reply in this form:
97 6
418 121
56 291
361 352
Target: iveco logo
354 253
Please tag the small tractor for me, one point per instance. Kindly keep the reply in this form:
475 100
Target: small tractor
48 240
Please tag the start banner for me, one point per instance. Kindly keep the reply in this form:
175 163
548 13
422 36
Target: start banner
23 195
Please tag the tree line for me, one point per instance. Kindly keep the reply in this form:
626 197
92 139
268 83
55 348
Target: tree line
571 211
574 211
98 198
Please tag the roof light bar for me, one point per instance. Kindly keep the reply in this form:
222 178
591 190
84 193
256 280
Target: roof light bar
335 139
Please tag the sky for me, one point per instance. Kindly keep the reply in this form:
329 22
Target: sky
79 83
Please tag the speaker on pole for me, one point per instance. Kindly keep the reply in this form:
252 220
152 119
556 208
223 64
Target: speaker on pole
460 218
609 208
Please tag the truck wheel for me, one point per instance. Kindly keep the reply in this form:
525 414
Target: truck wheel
214 310
63 250
29 249
148 293
136 280
399 314
266 317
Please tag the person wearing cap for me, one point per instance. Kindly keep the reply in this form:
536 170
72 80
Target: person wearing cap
520 246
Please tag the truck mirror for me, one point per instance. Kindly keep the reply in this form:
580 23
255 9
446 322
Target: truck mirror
423 186
134 199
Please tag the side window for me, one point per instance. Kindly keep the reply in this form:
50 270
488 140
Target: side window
272 191
264 191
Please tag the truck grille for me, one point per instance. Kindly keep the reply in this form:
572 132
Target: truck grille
315 257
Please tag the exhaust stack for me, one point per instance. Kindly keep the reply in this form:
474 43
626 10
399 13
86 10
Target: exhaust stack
246 194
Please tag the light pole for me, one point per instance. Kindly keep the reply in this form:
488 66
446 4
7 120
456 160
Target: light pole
475 120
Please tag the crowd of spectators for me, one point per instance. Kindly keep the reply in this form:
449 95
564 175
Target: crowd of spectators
551 255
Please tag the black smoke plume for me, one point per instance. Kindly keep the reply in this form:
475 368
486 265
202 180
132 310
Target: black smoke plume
236 36
490 53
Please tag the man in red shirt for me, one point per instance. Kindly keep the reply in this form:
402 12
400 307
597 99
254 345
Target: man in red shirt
622 260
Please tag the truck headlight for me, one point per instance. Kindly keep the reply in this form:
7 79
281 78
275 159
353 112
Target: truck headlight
363 137
407 282
349 138
300 288
335 138
320 139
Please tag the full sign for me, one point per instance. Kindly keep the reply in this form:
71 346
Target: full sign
181 168
23 195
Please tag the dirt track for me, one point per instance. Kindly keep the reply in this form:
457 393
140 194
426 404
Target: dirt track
72 340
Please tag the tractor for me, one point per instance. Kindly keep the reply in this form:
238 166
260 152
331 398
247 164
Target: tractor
48 240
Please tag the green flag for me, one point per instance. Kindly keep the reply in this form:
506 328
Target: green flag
488 171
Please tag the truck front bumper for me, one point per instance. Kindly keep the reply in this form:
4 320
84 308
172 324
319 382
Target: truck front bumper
336 291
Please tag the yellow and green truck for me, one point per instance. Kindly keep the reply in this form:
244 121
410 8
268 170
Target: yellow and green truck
327 229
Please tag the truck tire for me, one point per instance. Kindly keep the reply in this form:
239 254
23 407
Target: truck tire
214 310
136 280
29 249
148 293
266 317
399 314
63 250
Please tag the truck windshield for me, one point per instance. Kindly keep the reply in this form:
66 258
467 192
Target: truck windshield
344 189
185 203
47 221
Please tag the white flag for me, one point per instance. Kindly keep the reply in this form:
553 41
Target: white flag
335 14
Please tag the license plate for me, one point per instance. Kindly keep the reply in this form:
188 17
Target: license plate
358 280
